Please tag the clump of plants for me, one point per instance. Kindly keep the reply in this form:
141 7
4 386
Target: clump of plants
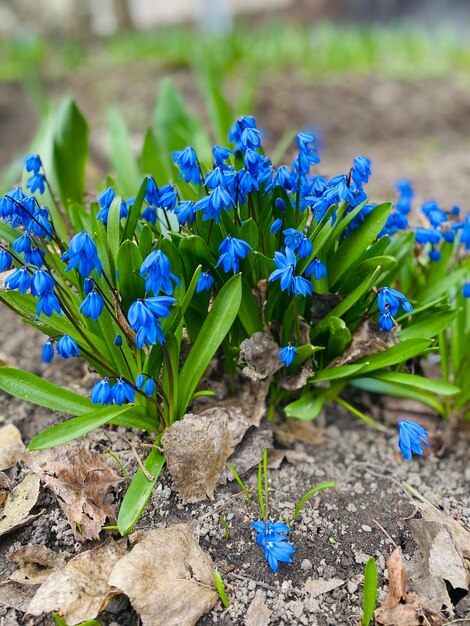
193 250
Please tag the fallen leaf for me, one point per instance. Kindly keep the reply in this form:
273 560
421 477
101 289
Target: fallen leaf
168 578
446 562
5 487
196 450
248 453
36 563
402 608
294 457
316 587
460 536
260 356
13 597
11 446
291 431
368 339
83 483
299 380
258 613
80 590
19 503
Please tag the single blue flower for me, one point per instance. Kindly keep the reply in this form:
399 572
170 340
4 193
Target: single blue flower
20 279
218 200
41 283
220 154
280 204
150 214
6 260
220 176
156 269
360 171
247 182
386 322
391 300
118 341
411 436
281 178
36 182
47 304
83 255
292 238
287 354
67 347
101 392
140 380
276 226
105 200
122 391
204 282
149 387
317 268
48 351
435 255
152 194
22 244
466 290
305 247
143 318
274 543
33 163
186 212
40 224
236 130
92 306
35 256
188 165
168 198
251 138
232 251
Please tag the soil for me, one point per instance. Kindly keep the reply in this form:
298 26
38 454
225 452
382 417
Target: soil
415 130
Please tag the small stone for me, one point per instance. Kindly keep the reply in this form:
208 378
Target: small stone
351 587
366 528
306 565
252 585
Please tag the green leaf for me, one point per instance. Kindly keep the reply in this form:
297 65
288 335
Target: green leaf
216 326
122 156
419 382
358 241
76 427
307 407
249 313
370 591
33 389
70 152
303 500
131 285
429 327
134 213
374 385
113 227
396 354
139 491
335 373
7 233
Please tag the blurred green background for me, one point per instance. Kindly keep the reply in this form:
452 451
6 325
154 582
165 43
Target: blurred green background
389 80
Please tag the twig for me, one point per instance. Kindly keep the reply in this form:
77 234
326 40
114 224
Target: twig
145 471
221 505
380 527
258 582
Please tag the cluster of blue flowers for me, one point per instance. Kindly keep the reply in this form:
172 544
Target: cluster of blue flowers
37 180
389 302
271 536
65 345
104 393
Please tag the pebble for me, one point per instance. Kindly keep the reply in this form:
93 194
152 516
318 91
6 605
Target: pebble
306 565
351 586
366 528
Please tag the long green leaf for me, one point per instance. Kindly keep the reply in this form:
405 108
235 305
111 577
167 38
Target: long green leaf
396 354
76 427
33 389
216 326
122 156
335 373
307 407
419 382
428 328
374 385
139 491
370 591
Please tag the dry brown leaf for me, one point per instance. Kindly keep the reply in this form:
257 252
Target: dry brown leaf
19 503
291 431
249 453
294 457
80 590
83 483
299 380
460 536
368 339
399 607
5 487
316 587
36 564
196 450
168 578
259 354
11 446
14 597
258 613
446 562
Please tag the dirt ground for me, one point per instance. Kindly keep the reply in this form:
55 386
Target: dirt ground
414 130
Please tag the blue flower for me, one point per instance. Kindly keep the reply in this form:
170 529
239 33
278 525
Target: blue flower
35 256
40 225
251 138
149 387
360 171
275 544
204 282
22 244
140 380
218 199
105 200
391 300
281 178
247 182
220 176
317 268
122 391
156 268
386 322
36 182
232 251
33 163
92 306
280 204
292 238
118 341
186 212
465 237
285 264
41 283
143 316
48 351
20 279
411 436
276 226
221 154
427 235
152 194
466 290
101 392
47 304
236 130
188 165
6 260
67 347
287 354
83 254
435 255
